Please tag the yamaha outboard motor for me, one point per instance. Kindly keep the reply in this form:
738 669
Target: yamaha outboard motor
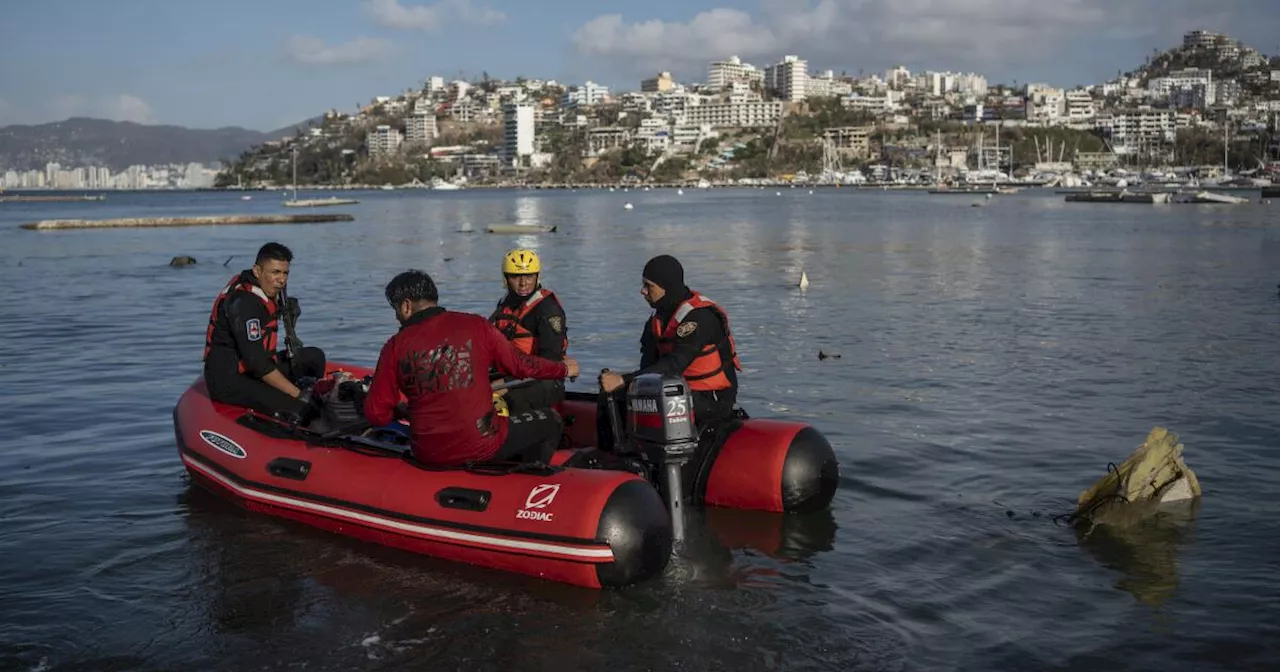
660 424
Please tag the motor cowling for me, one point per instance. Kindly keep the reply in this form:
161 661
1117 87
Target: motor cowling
660 415
661 424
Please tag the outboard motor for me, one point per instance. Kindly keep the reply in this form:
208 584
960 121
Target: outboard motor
660 424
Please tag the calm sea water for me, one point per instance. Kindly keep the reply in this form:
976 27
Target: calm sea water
992 361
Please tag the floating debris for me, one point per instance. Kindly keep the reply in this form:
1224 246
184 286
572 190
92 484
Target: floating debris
804 281
822 355
520 229
1154 475
179 262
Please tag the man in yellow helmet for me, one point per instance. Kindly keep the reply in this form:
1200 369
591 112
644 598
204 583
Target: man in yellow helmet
532 318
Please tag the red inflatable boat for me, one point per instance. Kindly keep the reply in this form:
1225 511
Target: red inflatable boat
592 527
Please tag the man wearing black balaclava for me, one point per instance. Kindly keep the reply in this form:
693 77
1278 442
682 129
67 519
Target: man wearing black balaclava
687 335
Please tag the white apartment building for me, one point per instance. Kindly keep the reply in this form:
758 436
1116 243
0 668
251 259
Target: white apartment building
872 104
1201 39
1140 131
420 128
589 93
686 136
518 140
662 82
1045 105
788 79
853 140
654 135
1080 106
1178 79
1194 97
434 86
384 140
464 111
898 78
825 84
424 106
741 115
721 74
675 104
605 138
635 102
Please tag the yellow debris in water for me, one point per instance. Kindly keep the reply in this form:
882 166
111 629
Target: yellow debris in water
1153 475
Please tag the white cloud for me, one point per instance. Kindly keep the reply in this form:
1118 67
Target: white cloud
392 14
118 107
970 34
312 51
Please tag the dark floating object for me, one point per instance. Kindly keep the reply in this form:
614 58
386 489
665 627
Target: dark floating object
179 262
448 259
822 355
228 260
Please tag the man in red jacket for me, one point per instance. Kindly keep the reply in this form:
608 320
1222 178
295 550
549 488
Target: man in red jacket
440 360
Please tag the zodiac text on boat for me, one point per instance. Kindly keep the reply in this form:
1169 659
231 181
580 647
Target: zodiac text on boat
540 497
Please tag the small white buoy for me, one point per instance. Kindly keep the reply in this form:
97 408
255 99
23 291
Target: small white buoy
627 206
988 197
680 192
777 193
804 281
610 188
810 191
246 198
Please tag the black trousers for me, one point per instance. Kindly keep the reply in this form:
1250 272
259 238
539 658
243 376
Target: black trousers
533 396
229 386
532 436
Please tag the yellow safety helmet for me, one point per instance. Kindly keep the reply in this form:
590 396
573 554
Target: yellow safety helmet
521 262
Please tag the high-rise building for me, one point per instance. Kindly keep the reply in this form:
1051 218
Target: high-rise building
518 141
788 79
420 128
589 93
721 74
662 82
383 140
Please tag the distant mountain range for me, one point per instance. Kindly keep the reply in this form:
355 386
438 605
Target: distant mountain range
117 145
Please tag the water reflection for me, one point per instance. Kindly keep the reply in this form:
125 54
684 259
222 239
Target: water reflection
1146 552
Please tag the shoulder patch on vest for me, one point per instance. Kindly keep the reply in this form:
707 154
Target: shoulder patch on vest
556 322
686 328
254 329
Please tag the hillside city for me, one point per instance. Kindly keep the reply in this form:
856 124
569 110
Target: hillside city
1204 109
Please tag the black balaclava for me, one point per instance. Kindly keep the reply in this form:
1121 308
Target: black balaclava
666 272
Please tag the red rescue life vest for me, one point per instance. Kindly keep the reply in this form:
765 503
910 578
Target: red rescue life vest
508 321
706 372
268 330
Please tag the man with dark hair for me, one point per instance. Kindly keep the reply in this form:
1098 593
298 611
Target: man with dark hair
687 335
241 363
439 361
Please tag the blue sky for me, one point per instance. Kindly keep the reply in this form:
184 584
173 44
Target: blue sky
269 63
